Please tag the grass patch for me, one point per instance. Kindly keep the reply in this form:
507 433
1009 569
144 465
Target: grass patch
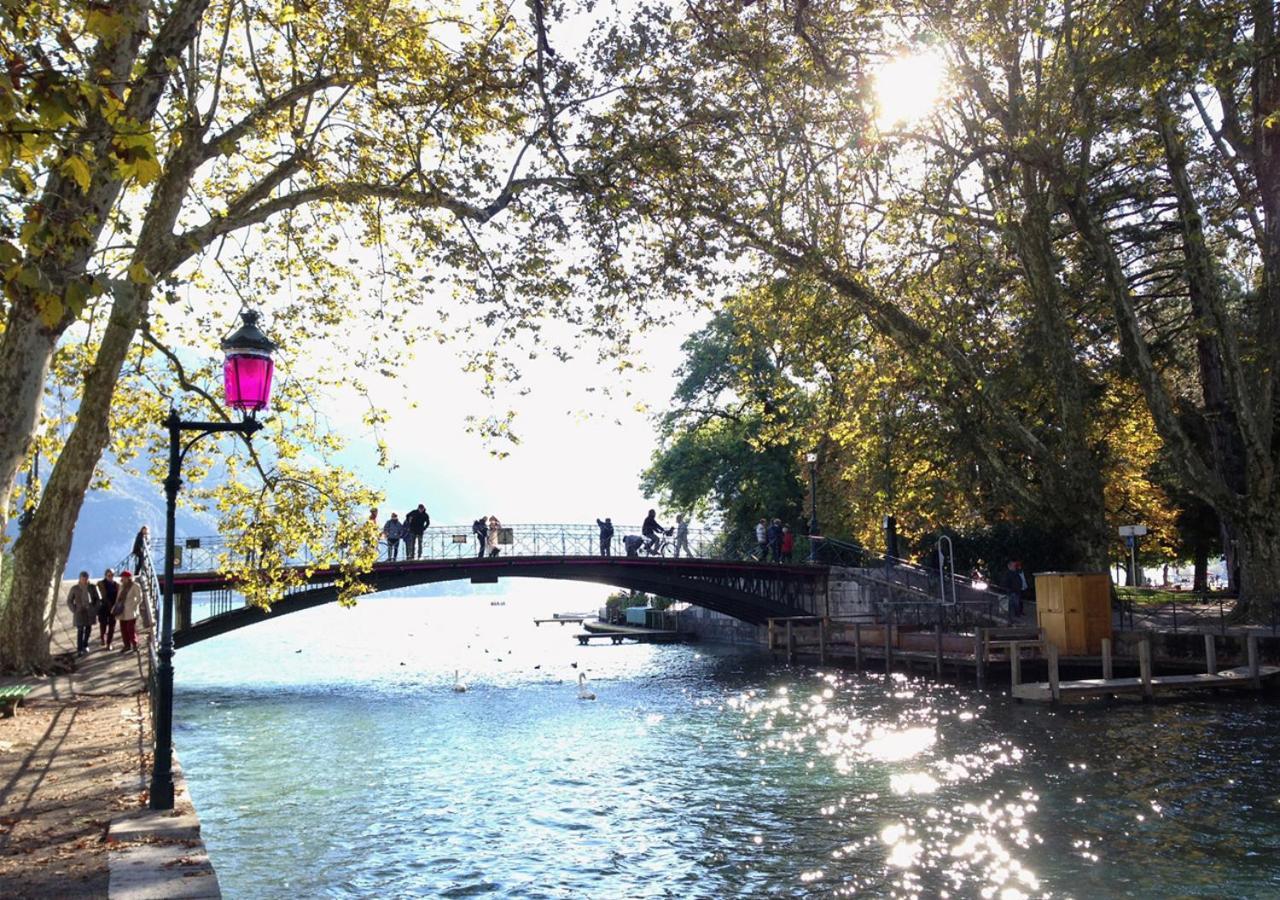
1156 596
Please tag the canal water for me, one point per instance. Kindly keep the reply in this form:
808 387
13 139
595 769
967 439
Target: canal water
329 756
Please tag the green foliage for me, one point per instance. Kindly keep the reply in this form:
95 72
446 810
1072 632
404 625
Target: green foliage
618 601
729 450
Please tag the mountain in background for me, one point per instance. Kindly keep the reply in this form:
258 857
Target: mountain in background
109 520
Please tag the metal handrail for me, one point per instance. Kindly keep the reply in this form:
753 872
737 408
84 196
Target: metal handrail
204 554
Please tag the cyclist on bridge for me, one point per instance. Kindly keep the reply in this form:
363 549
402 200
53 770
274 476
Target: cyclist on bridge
652 531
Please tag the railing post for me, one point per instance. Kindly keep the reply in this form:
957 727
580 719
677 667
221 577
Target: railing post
1015 663
1055 688
822 640
857 646
1210 655
791 643
1106 659
980 655
888 648
1255 674
771 641
937 651
1144 666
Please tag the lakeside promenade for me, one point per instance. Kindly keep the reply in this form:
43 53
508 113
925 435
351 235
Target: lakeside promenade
75 762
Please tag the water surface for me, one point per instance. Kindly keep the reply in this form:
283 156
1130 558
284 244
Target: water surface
329 757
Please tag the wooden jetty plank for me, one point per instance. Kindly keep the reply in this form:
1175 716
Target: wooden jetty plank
1240 677
576 620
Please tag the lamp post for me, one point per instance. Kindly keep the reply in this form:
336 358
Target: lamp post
812 460
246 371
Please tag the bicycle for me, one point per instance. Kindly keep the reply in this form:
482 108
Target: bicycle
658 545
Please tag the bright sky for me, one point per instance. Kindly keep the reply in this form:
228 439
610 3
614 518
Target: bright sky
579 458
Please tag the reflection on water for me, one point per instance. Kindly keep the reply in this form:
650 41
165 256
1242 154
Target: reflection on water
329 757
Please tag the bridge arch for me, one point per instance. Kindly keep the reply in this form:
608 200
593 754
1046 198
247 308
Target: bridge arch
750 591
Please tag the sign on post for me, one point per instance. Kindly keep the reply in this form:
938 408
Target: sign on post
1132 530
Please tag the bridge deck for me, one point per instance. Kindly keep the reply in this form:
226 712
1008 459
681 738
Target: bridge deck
212 580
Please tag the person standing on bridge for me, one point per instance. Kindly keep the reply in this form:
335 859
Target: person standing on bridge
495 535
417 522
682 536
773 534
480 528
762 540
788 543
393 531
108 590
606 536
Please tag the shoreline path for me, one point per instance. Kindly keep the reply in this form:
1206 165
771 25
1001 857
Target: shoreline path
75 763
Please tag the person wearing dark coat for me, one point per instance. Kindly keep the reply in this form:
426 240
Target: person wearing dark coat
83 599
773 537
652 531
416 522
141 547
108 590
393 531
606 536
480 528
1015 583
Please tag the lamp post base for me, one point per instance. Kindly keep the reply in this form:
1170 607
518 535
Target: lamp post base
161 795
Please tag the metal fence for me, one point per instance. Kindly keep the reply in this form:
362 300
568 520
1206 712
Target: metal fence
208 554
1193 613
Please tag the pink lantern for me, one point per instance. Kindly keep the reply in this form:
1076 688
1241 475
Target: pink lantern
248 368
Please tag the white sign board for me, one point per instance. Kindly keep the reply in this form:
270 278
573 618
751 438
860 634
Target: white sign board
1132 530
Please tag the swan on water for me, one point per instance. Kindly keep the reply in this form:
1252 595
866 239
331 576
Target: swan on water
583 693
458 686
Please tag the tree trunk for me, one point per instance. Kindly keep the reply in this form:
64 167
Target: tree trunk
1200 581
1258 555
25 351
41 552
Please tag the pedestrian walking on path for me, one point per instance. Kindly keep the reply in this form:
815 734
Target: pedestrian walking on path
141 547
83 599
128 602
108 591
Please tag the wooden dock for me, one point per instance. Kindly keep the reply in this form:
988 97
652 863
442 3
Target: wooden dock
1146 685
990 652
1091 688
562 619
619 633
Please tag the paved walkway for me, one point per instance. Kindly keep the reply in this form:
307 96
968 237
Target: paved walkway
74 768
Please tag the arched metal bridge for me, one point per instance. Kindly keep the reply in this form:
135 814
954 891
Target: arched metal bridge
730 580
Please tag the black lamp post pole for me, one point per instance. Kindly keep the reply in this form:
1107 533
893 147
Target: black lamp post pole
813 507
162 769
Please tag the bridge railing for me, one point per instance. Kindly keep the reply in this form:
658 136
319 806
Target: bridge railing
444 542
